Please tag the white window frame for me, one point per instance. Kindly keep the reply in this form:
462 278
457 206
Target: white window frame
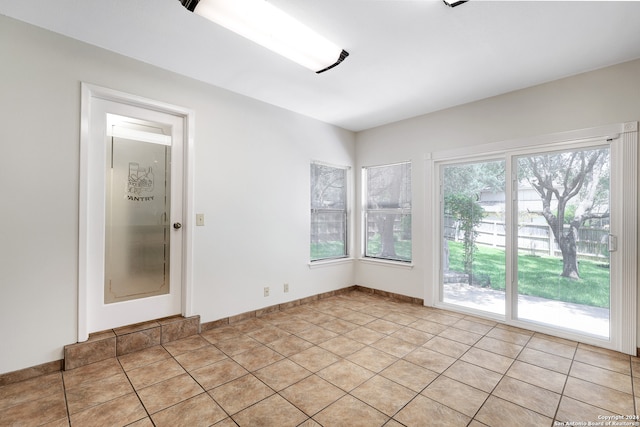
365 210
346 217
623 140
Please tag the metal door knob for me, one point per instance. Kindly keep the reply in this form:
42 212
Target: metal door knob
177 225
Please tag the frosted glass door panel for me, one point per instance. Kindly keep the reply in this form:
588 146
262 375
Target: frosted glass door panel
137 223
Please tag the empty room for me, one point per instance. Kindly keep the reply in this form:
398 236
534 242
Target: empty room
332 213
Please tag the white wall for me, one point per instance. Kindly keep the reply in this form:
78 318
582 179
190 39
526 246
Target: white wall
251 182
601 97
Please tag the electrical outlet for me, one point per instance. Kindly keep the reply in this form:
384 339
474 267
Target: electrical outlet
286 287
266 291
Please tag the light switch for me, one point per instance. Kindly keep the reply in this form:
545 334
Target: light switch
200 219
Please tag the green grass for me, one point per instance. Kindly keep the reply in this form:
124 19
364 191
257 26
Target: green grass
402 248
327 250
538 276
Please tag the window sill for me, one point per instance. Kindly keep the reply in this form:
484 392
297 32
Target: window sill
387 263
329 262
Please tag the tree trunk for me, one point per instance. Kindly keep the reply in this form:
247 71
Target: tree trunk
387 241
568 247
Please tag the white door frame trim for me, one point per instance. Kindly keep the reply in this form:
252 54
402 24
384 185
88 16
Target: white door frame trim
89 92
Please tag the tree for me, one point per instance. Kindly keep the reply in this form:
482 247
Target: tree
388 202
577 182
468 213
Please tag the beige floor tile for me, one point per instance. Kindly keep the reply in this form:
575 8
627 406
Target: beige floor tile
601 376
31 389
394 346
465 337
400 318
477 327
201 357
249 325
48 408
241 393
257 358
267 334
272 411
487 359
121 411
197 411
497 412
514 336
447 346
383 394
571 410
412 336
537 399
237 345
223 333
218 373
282 374
315 358
93 372
409 375
444 317
290 345
143 357
294 325
316 334
312 394
456 395
473 375
383 326
154 373
346 375
350 412
552 347
365 335
170 392
342 346
372 359
423 411
495 345
538 376
430 359
606 361
600 396
339 326
433 328
97 392
184 345
545 360
359 318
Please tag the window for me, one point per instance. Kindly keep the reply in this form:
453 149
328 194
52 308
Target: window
328 212
387 212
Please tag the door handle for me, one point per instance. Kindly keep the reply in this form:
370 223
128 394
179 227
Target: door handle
177 225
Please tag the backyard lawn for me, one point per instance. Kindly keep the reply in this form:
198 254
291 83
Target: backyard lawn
538 275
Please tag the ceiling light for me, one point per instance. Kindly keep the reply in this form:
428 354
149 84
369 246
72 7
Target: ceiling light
263 23
454 3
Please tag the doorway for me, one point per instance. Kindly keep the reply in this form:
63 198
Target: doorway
530 233
134 259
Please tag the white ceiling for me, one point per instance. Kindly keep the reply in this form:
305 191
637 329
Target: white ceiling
407 58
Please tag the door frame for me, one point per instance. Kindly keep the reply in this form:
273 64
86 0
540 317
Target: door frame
624 274
86 236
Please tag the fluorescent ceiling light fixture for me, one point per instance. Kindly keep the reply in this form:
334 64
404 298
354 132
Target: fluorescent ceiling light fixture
263 23
454 3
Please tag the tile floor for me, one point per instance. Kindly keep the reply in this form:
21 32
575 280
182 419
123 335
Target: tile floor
349 360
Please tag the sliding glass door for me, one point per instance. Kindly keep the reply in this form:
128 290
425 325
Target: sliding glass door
563 214
473 230
525 237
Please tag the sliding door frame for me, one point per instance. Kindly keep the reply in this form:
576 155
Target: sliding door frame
623 140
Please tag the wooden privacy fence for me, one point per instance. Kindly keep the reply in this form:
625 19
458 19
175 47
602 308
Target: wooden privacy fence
537 239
